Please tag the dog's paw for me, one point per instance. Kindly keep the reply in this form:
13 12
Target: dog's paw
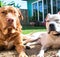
27 47
5 43
22 55
58 54
40 55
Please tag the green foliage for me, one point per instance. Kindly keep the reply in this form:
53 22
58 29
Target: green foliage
33 18
2 3
12 3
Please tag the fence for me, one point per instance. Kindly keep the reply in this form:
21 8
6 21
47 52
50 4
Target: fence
25 17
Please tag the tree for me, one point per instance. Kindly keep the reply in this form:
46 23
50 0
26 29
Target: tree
2 3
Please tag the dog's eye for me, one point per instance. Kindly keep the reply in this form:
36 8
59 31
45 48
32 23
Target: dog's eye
14 11
57 20
3 12
47 20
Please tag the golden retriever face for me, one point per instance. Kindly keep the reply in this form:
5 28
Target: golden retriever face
9 17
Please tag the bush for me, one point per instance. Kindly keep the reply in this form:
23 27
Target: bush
2 3
33 18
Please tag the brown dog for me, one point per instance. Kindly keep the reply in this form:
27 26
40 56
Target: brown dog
49 39
10 29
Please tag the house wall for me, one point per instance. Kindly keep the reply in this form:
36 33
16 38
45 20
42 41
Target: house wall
29 5
25 17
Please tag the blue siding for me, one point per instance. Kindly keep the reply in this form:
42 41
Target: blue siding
29 2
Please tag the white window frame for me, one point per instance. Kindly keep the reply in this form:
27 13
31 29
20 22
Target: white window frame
43 10
51 6
38 9
51 2
32 6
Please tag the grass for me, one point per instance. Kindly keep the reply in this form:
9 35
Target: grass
31 29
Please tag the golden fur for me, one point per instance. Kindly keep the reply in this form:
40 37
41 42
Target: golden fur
10 29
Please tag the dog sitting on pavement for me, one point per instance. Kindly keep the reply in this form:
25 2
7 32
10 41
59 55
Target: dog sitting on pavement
51 38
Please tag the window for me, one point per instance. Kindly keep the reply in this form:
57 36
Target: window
58 5
35 11
43 7
49 6
54 7
40 11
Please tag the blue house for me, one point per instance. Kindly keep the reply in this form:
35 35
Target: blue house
40 8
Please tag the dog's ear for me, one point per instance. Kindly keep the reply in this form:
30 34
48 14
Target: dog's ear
47 17
18 25
20 14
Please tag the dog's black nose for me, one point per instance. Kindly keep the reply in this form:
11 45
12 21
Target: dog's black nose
52 27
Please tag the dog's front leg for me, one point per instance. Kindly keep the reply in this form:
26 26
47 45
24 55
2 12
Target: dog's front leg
20 47
41 53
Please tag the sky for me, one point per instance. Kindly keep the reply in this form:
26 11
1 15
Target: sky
23 4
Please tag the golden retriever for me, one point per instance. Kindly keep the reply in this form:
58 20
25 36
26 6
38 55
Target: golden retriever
10 29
